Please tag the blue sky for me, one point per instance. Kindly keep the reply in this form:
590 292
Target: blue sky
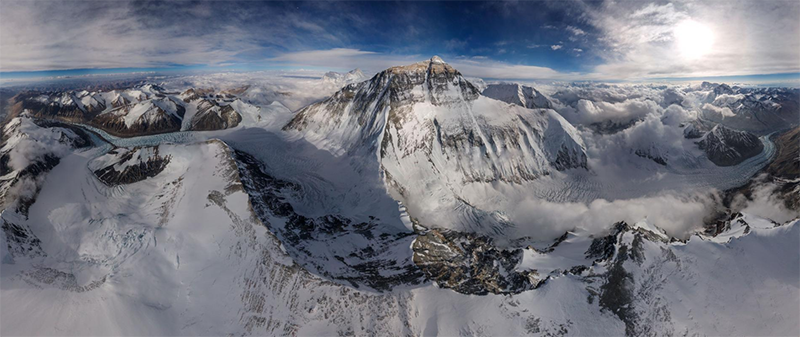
567 40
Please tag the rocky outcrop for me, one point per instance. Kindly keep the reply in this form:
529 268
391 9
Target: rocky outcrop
471 264
360 254
727 147
123 166
211 116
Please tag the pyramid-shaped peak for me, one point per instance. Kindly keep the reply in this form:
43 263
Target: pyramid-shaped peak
436 59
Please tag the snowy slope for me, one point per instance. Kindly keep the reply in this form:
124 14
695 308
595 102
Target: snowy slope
152 258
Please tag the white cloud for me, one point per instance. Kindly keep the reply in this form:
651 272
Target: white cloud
555 47
678 216
750 37
765 203
575 30
722 111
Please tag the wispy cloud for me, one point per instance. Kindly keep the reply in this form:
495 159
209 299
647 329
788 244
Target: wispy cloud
556 47
478 66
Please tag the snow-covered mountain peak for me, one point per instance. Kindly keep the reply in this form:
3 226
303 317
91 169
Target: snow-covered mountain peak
342 79
431 130
436 59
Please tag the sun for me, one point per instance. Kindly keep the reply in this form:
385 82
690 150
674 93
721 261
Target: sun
693 39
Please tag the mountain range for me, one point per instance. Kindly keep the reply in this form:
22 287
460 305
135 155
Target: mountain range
411 202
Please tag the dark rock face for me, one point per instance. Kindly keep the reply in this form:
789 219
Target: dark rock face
618 292
727 147
325 245
21 241
787 162
213 117
145 168
567 159
603 248
471 264
647 154
611 127
116 126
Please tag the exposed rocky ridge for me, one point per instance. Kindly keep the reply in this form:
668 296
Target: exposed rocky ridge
471 264
122 166
652 154
213 117
727 147
360 254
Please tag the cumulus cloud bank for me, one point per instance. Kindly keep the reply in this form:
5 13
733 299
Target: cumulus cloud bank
678 216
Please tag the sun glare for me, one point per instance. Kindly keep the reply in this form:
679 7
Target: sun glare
693 39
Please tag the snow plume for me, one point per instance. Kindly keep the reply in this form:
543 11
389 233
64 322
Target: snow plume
678 216
643 117
764 202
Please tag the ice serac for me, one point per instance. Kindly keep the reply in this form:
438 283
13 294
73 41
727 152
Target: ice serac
727 147
431 129
518 94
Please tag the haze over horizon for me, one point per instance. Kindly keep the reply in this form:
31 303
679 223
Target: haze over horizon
533 40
